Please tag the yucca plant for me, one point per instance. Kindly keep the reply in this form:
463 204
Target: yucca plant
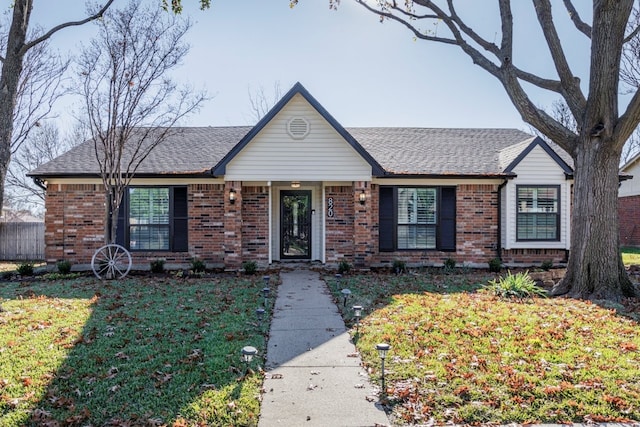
519 285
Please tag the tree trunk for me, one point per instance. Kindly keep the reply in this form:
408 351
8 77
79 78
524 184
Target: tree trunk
595 270
9 80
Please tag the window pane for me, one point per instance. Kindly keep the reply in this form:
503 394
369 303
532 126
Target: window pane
416 237
416 206
149 206
146 237
538 212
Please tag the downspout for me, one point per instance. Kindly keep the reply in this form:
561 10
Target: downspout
499 242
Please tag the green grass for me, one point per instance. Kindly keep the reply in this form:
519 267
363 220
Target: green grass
133 352
463 355
630 256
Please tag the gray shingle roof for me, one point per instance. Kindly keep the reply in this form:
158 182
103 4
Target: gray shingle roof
401 151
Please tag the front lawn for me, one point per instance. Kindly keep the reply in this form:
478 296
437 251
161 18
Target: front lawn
141 351
630 256
461 355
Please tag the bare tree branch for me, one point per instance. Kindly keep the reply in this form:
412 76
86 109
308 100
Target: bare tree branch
582 26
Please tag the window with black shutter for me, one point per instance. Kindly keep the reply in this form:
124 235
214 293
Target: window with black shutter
417 218
154 219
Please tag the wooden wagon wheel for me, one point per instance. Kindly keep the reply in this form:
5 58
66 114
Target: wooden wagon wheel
111 262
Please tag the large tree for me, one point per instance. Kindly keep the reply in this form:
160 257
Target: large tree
595 269
130 101
17 45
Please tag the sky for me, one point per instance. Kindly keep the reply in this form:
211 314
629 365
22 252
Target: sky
365 73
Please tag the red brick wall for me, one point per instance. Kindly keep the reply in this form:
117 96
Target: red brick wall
206 222
534 256
476 230
74 225
255 225
629 214
339 228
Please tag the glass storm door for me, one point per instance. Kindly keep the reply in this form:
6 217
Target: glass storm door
295 224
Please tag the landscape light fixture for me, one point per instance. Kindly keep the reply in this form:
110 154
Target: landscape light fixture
260 315
338 278
265 292
232 196
362 197
357 312
382 352
247 354
266 280
346 293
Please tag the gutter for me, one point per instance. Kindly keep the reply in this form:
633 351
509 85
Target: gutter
39 182
499 239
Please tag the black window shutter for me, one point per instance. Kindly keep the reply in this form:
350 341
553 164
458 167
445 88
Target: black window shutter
386 220
180 220
122 220
447 228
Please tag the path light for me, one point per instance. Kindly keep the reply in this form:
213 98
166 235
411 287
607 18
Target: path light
338 278
357 312
382 351
266 280
346 293
265 292
247 354
260 315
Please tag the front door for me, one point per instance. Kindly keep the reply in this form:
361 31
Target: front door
295 224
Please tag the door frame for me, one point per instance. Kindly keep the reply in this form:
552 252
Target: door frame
309 219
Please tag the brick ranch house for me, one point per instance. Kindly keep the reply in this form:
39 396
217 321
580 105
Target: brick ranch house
629 203
299 186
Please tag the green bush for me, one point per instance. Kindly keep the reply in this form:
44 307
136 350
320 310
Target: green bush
495 265
449 264
25 269
250 267
64 267
520 286
344 267
198 266
399 266
157 266
546 265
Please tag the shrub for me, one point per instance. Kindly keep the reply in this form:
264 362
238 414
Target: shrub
449 264
250 267
64 267
399 266
198 266
546 265
495 265
520 286
344 267
25 269
157 266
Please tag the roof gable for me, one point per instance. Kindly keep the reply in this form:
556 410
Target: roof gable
535 142
220 168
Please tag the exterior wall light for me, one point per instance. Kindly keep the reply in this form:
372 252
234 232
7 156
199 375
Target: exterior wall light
232 196
295 184
362 197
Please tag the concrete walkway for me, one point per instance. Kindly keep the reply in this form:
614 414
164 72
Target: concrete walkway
312 377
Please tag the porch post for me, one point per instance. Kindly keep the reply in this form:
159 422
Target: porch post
233 225
363 247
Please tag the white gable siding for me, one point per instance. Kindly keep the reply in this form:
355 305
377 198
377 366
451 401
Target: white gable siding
537 168
273 155
631 187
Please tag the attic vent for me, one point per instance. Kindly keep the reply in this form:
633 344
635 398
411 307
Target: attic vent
298 128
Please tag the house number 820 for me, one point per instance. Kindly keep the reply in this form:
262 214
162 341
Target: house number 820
330 212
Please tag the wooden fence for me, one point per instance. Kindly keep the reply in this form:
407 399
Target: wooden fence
21 241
